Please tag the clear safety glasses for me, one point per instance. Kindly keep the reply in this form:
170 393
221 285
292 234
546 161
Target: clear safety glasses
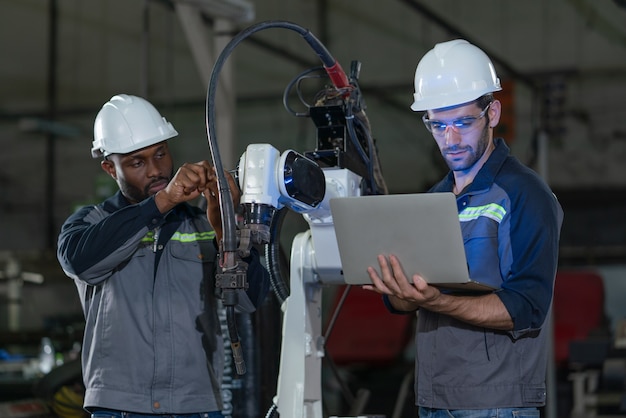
462 125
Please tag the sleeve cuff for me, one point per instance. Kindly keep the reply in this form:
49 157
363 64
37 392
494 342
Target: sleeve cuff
154 218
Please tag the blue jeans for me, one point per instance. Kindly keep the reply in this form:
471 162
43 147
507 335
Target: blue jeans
479 413
105 413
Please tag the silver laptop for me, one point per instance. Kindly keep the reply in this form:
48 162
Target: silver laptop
421 229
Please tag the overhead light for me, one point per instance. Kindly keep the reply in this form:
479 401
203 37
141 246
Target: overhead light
240 11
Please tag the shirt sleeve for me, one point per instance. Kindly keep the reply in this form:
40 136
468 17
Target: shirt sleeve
92 242
534 225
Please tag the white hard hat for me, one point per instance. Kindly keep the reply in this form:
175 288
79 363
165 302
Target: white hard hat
127 123
453 73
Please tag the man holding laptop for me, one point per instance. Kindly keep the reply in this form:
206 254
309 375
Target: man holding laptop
480 355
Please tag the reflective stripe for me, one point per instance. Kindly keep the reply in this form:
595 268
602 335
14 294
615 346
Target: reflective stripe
194 236
149 237
183 237
492 211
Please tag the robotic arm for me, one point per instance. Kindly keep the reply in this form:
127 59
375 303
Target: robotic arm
314 262
344 163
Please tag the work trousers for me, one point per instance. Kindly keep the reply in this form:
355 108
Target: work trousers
479 413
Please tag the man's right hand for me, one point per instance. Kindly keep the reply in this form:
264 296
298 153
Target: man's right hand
189 182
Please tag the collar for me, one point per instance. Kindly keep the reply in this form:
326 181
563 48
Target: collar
486 175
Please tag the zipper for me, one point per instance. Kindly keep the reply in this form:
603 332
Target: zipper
155 246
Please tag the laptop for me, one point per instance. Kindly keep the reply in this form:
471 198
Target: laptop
421 229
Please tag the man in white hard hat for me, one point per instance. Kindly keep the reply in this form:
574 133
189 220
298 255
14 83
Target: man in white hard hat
480 355
144 262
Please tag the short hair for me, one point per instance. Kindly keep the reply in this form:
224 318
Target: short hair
484 100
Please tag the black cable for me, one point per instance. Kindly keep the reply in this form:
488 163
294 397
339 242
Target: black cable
235 343
272 256
333 319
334 71
370 148
347 393
229 244
272 411
355 141
297 80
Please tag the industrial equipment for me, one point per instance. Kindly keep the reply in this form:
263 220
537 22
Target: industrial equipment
343 163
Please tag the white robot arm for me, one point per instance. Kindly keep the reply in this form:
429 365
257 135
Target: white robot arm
270 181
344 164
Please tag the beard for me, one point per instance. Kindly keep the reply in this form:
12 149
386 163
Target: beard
473 155
136 194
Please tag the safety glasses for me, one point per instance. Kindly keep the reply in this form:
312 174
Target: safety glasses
462 125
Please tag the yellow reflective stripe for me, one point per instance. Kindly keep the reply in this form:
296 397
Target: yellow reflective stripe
194 236
149 237
492 211
182 237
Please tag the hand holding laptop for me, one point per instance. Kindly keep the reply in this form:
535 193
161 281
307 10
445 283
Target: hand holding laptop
393 281
422 230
